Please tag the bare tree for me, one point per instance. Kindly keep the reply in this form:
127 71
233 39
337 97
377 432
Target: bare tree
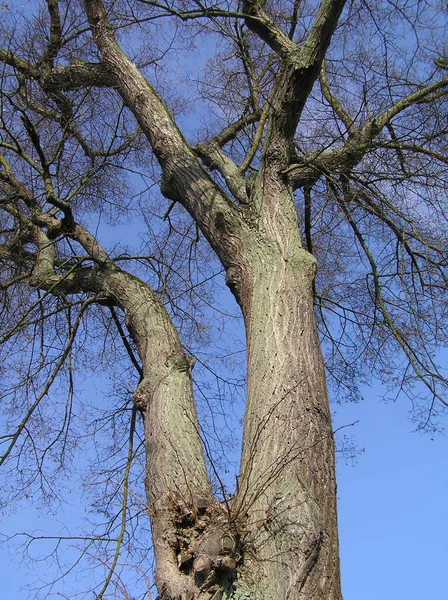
313 135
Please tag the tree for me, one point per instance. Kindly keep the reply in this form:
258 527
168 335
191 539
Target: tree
324 145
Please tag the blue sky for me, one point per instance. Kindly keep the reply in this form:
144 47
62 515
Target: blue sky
392 507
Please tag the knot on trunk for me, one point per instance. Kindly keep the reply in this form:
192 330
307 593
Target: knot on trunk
143 394
182 363
206 548
216 558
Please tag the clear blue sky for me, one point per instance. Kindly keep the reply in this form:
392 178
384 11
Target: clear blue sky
392 507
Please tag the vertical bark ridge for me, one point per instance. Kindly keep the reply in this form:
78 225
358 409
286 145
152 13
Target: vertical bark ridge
286 496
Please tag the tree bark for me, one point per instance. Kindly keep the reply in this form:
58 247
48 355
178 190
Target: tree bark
278 538
286 498
177 483
286 494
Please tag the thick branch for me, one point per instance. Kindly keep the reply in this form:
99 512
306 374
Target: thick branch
214 158
23 66
424 94
268 31
324 25
55 41
75 76
230 132
335 102
183 177
344 159
299 70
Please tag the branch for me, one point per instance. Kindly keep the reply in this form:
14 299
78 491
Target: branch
126 343
55 41
335 103
230 132
266 29
21 65
426 376
67 222
399 147
49 383
307 63
300 68
344 159
425 94
324 25
76 76
260 129
215 159
183 177
124 506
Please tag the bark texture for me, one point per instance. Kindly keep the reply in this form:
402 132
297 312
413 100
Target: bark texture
277 539
286 500
286 487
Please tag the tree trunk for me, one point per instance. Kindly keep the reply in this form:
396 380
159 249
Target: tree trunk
286 499
278 538
177 484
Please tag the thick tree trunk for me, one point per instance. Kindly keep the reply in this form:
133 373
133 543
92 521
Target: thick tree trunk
277 538
285 505
286 500
177 484
278 541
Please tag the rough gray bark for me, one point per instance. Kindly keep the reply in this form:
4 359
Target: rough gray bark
286 485
282 521
278 537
